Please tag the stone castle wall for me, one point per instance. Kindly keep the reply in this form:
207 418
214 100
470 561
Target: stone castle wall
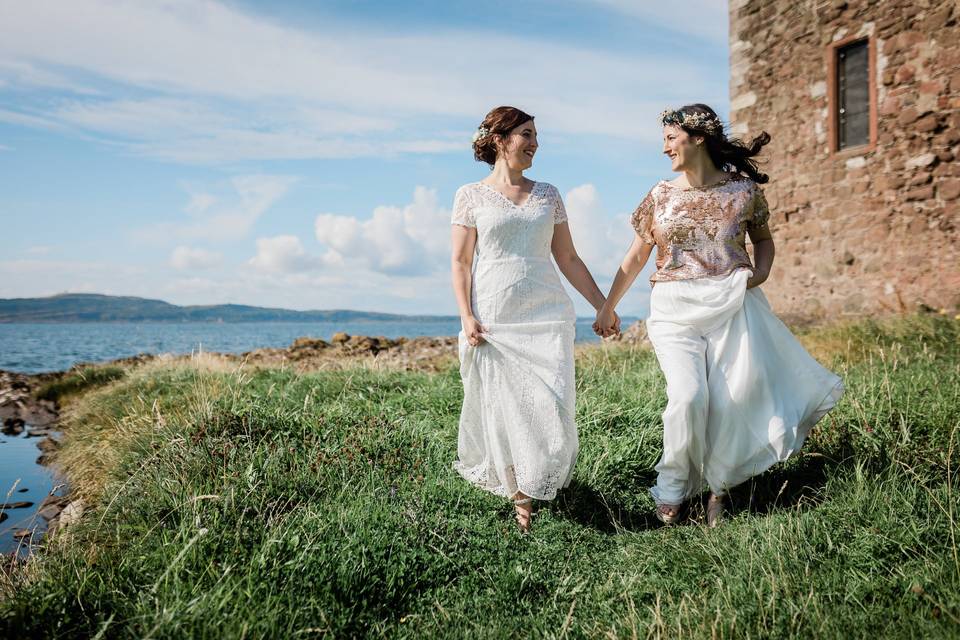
868 230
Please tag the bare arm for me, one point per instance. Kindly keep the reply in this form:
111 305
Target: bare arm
763 254
572 267
464 242
630 268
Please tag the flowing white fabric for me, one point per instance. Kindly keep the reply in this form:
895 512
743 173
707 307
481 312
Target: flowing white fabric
742 392
517 429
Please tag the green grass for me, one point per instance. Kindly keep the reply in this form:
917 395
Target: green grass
79 381
266 504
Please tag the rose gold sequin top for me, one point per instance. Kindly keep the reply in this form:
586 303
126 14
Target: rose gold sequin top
700 231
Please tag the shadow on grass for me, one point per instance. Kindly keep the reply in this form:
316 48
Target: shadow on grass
583 504
797 487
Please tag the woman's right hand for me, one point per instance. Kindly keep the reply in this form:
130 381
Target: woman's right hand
473 330
607 323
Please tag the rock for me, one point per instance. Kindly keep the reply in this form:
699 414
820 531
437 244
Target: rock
59 501
23 504
48 445
340 338
49 512
3 516
20 534
71 514
848 258
635 334
13 426
312 344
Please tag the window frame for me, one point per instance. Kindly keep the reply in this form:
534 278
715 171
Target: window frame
833 95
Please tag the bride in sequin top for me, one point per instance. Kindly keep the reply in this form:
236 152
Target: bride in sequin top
742 393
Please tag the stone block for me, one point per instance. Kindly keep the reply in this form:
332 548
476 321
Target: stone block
949 189
908 116
922 160
926 124
920 193
904 74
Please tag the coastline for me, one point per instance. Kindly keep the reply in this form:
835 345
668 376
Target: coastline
32 403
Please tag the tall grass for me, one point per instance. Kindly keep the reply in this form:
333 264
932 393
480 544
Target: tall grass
267 504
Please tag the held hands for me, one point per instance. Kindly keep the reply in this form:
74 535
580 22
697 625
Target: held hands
607 323
473 330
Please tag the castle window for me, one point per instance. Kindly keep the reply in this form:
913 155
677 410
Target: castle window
853 95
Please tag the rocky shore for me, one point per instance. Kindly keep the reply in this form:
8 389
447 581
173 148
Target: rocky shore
22 412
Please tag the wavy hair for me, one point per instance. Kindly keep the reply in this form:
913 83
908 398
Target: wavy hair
727 154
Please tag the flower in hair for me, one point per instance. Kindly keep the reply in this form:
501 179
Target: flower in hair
699 121
481 132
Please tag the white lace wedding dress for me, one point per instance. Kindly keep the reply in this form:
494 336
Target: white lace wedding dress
517 429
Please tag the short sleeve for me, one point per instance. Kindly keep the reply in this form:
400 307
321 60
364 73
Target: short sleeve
642 218
559 211
759 210
463 209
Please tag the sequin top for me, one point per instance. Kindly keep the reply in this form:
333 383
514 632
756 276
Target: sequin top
700 231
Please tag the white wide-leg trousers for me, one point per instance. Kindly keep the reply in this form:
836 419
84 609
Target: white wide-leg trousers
742 392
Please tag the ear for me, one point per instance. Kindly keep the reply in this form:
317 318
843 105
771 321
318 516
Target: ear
698 140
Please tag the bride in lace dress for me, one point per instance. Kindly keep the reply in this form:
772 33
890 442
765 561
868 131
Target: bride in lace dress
517 433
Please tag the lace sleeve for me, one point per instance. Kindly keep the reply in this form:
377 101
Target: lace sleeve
463 209
559 211
642 218
760 211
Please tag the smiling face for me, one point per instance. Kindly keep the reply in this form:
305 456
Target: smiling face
681 147
518 147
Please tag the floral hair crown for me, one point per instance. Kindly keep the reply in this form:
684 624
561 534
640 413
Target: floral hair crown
480 133
698 121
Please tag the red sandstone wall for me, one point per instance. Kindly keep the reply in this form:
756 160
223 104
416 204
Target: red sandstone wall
859 231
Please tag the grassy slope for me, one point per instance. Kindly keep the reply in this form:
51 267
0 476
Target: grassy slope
267 504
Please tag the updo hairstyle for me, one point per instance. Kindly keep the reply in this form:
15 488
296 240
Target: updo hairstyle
500 121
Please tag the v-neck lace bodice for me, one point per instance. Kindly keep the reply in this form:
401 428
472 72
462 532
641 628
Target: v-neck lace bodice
506 229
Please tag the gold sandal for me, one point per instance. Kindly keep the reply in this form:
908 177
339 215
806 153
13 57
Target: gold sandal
667 518
716 510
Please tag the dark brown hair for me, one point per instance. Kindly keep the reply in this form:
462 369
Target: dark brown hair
728 154
499 121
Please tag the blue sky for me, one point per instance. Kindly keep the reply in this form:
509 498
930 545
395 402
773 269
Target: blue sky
304 154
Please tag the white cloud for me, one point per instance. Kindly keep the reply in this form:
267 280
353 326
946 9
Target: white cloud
282 254
24 74
39 250
239 86
396 260
200 203
602 241
398 240
222 219
184 258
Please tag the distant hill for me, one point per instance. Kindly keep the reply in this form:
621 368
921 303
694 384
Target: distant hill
91 307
